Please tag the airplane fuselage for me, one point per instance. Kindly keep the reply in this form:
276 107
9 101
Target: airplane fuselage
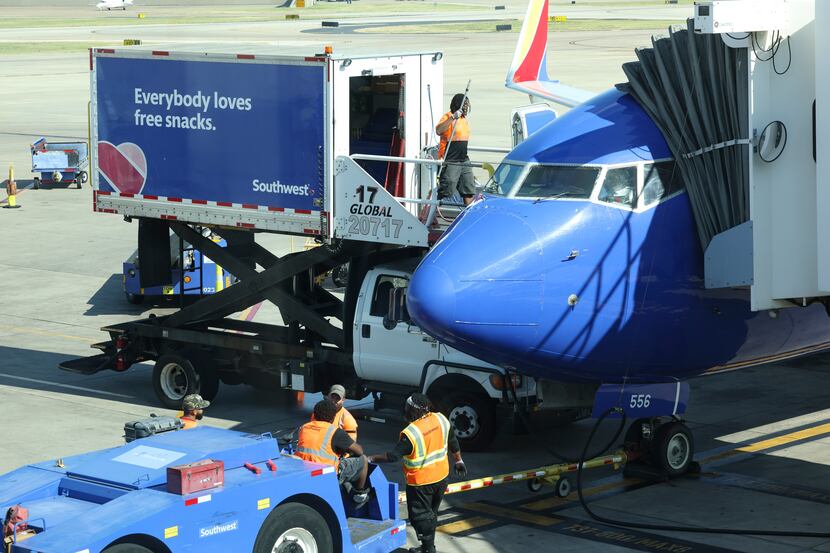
599 286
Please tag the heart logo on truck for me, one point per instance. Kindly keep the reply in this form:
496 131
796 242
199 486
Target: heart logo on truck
124 166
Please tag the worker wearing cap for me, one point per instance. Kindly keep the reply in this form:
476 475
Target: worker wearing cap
343 419
193 406
456 175
423 447
320 441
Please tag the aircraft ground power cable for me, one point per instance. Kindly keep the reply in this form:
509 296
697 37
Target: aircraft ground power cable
665 527
559 456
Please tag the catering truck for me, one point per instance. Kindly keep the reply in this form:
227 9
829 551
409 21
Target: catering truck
321 146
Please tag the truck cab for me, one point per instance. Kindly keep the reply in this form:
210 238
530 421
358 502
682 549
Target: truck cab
394 356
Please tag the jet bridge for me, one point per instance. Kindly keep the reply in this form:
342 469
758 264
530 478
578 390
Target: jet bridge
739 97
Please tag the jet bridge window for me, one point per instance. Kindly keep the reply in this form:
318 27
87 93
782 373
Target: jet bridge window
559 181
662 179
619 186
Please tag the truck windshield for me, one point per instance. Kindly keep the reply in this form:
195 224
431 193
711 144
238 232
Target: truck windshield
559 181
504 178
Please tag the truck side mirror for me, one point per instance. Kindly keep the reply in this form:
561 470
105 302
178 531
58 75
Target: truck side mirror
396 308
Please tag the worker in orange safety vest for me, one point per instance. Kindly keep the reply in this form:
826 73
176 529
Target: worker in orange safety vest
423 448
456 174
321 441
343 419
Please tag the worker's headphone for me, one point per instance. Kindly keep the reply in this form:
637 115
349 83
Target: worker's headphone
413 411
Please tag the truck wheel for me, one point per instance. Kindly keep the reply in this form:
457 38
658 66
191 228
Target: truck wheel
473 417
82 177
208 381
127 548
294 528
673 448
135 299
173 378
36 183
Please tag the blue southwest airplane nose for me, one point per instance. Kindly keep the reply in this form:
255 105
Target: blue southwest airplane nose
480 288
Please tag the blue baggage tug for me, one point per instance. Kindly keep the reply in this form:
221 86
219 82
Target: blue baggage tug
119 501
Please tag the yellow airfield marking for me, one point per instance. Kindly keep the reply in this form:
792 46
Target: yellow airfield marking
513 514
28 330
463 525
551 502
786 438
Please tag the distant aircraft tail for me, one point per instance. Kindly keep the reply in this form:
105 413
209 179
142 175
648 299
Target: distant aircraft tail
528 73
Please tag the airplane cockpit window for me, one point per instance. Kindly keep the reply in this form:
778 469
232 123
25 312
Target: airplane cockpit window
662 179
619 186
559 181
503 178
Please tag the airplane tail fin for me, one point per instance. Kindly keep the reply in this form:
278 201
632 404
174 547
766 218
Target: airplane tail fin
528 72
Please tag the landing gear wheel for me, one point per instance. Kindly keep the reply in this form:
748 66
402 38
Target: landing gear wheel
673 448
135 299
473 417
173 378
563 487
534 485
294 528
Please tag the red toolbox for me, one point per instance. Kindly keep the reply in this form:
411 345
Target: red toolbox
203 475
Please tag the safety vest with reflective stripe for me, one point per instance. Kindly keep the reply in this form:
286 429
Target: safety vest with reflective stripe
343 419
189 423
428 462
314 443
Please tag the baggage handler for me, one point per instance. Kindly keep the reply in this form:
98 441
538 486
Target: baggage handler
343 419
320 441
456 173
423 447
193 407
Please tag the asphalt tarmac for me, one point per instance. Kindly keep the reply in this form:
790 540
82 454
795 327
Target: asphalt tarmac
762 435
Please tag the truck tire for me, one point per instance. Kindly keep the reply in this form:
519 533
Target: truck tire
473 417
173 378
208 380
294 528
127 548
36 183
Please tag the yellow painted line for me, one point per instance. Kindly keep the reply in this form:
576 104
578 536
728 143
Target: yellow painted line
512 514
463 525
787 438
552 502
28 330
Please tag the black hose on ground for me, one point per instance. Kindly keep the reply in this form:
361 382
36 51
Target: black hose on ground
556 454
661 527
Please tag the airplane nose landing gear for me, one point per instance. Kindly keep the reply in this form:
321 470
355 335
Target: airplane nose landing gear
659 448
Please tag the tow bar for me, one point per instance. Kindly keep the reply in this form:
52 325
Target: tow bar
553 475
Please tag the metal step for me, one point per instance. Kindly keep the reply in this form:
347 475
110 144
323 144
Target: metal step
88 365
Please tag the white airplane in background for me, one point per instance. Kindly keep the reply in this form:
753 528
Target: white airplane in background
114 4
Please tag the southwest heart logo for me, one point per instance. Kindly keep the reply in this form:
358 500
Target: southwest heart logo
124 166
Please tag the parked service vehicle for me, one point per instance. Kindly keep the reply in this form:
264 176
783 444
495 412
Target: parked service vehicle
57 162
204 490
167 129
192 274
